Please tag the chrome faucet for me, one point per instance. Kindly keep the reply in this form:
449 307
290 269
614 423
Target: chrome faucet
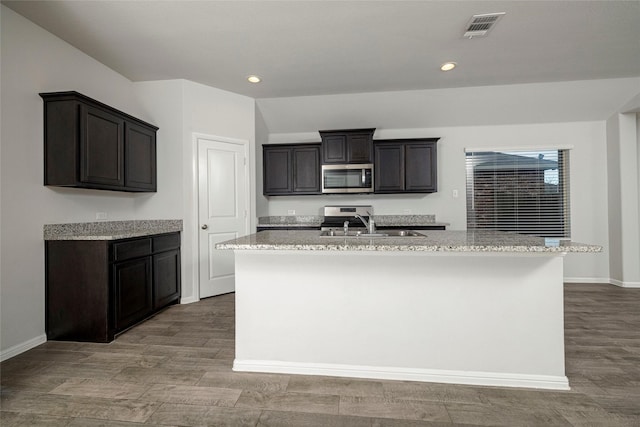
370 226
346 227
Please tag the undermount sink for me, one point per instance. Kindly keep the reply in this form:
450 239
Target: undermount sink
384 233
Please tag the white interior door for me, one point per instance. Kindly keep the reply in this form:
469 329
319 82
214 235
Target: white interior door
223 204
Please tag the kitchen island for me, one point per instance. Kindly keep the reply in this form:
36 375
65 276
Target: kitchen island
462 307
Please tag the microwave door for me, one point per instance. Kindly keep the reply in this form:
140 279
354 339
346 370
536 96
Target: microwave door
346 178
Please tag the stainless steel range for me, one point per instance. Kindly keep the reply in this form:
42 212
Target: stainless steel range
336 215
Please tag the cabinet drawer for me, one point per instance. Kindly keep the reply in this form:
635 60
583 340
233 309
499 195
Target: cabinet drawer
166 242
131 249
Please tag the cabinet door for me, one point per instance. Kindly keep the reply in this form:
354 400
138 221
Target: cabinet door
334 148
77 290
420 167
101 147
132 291
359 148
140 158
277 170
306 170
166 278
389 168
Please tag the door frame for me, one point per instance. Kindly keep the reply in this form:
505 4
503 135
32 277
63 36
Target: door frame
195 205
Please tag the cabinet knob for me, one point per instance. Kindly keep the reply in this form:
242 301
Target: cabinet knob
205 226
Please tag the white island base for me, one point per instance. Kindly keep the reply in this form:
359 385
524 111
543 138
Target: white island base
467 318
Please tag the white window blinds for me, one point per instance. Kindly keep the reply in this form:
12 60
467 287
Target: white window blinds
521 191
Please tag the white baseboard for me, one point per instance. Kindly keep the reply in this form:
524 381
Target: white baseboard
603 280
189 300
22 347
405 374
624 284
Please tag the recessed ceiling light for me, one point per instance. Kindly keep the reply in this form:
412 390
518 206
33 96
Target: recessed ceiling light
254 79
448 66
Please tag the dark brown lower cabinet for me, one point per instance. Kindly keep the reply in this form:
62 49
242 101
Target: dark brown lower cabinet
166 280
132 291
96 289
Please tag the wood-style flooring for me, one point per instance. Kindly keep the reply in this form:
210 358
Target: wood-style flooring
175 370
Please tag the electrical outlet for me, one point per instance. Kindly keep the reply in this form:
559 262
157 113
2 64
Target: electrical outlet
454 193
291 212
101 215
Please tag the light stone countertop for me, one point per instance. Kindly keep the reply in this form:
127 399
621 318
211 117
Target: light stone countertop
434 241
110 230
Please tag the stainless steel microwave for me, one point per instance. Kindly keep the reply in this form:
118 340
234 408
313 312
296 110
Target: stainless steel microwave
346 178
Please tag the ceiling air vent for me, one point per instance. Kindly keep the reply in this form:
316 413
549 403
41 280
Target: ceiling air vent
480 25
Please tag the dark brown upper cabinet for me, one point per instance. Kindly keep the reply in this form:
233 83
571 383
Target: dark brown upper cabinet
91 145
347 146
405 166
140 157
291 169
306 169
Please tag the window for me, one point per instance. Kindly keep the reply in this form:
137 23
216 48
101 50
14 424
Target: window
525 192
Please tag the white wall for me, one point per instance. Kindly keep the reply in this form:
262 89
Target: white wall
182 108
162 101
214 112
613 198
559 102
623 161
262 137
632 106
588 192
35 61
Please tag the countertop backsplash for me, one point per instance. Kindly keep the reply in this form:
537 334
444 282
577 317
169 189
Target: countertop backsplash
300 220
316 220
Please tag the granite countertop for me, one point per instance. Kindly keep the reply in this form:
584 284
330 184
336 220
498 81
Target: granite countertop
434 241
293 221
110 230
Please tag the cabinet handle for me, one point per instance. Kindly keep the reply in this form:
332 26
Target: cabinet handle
205 226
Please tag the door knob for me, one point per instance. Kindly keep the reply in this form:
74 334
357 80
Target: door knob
205 226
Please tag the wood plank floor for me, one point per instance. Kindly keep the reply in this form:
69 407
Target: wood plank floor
175 370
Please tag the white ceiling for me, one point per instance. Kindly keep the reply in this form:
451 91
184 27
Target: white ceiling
330 47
